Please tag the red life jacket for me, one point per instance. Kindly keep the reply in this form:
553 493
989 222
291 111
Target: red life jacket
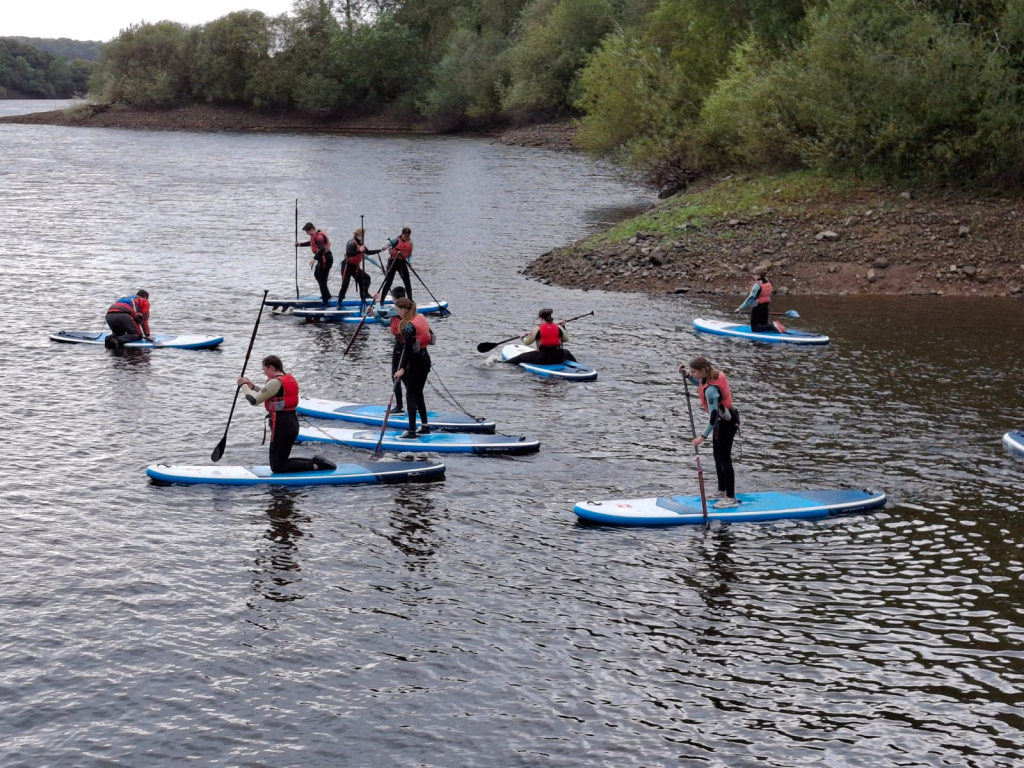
402 249
396 328
357 258
765 295
423 335
133 306
550 335
725 400
287 399
320 236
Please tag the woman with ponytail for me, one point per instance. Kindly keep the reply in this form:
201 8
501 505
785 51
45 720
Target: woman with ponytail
723 423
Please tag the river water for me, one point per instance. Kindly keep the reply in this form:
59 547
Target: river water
474 621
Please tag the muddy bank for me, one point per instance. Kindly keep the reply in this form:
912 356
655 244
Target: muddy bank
865 242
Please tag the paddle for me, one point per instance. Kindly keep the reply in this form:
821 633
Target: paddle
444 311
486 346
296 247
787 313
696 452
378 452
219 450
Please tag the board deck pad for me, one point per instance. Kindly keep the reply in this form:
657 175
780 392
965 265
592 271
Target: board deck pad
754 507
355 314
344 474
374 414
742 331
568 370
437 442
160 340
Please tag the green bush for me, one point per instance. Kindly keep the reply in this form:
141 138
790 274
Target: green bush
467 79
147 64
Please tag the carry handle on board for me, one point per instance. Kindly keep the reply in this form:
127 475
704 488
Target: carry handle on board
487 346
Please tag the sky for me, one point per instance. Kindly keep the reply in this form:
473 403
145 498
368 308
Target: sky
103 20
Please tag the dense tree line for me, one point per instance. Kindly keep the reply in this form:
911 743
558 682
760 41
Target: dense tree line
27 72
928 89
89 50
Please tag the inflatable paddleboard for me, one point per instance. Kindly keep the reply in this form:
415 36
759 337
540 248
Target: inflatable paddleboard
374 414
355 314
436 442
345 474
742 331
567 370
312 301
753 508
168 340
1014 441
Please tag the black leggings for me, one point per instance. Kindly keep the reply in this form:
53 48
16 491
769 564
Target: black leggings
544 356
348 271
721 447
396 359
401 268
417 367
123 327
282 438
320 273
760 319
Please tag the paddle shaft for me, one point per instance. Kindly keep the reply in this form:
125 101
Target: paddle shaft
413 270
696 452
379 450
487 346
296 247
218 451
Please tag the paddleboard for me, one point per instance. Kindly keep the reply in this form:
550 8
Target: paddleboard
567 370
436 442
1014 441
312 301
345 474
355 315
753 508
167 340
742 331
374 414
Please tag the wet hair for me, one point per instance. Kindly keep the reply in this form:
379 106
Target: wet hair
700 363
142 293
309 227
274 362
398 292
546 314
406 231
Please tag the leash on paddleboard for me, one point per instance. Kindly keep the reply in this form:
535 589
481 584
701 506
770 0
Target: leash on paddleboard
449 398
487 346
696 452
444 310
218 451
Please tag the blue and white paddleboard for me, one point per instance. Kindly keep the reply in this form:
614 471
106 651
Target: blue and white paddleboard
567 370
345 474
314 302
742 331
436 442
374 414
1014 442
753 508
355 314
166 340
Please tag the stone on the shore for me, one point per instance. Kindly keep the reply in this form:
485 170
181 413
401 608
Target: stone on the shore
881 263
970 271
827 234
872 277
658 257
963 231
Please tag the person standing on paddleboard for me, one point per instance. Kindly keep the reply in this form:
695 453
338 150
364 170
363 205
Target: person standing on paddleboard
391 314
760 302
399 253
128 319
416 337
550 337
355 253
322 258
280 396
723 423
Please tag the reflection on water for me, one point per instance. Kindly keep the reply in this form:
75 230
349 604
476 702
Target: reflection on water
276 575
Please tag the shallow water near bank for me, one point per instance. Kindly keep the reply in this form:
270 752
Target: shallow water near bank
474 621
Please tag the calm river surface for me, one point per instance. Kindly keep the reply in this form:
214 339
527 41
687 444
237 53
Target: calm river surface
474 622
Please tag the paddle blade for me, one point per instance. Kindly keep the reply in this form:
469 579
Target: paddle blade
218 452
792 313
485 346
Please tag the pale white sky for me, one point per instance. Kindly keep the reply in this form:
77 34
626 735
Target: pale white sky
104 19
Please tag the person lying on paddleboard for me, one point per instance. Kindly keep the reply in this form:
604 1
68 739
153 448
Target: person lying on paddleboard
355 253
723 424
322 258
128 319
415 334
760 302
390 314
399 253
280 396
550 338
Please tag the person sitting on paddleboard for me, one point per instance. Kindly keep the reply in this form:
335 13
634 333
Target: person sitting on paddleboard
280 396
414 363
723 423
550 338
390 314
760 302
399 253
355 252
128 319
322 258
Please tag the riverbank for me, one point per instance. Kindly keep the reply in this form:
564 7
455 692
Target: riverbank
820 236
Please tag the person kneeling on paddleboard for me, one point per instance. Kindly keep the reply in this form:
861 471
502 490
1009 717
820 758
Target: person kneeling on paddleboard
416 336
280 396
723 423
550 337
760 302
128 319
